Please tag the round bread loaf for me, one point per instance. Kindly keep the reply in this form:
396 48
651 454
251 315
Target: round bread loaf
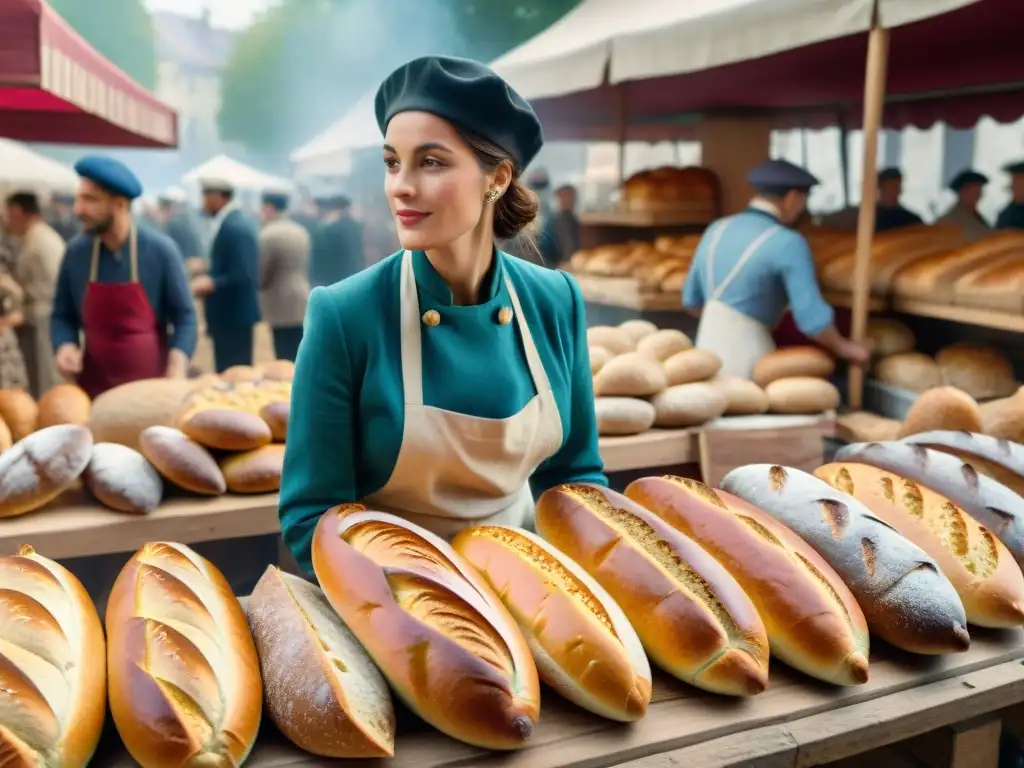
638 329
615 340
661 345
19 410
630 375
742 396
227 416
942 408
121 414
276 416
801 394
981 372
599 356
692 365
623 415
278 370
6 439
121 478
1004 418
64 404
240 373
792 362
889 337
688 405
257 471
39 468
910 370
182 460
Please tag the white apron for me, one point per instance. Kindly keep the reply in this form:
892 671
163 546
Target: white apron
738 339
455 470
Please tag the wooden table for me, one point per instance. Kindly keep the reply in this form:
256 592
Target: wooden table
797 721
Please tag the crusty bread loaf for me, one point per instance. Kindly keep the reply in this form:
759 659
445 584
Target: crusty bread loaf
638 329
322 690
886 260
688 405
599 356
662 344
20 411
1001 460
630 375
583 644
1004 418
182 460
480 685
692 365
666 584
932 278
864 426
227 429
813 621
241 373
257 471
121 478
39 468
184 677
942 408
905 597
989 582
6 438
981 372
791 362
277 370
742 396
623 415
674 281
276 415
996 286
801 394
120 414
887 337
64 404
990 503
909 370
615 340
53 673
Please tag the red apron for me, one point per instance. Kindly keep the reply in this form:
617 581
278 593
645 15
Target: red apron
123 340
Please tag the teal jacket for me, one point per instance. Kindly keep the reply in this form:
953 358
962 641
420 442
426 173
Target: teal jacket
347 414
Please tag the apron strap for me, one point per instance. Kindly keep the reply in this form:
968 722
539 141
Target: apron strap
133 257
537 372
737 268
716 238
412 345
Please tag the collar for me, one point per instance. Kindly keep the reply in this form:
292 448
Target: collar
224 212
431 283
762 205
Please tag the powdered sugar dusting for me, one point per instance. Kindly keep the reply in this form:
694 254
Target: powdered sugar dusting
123 479
45 462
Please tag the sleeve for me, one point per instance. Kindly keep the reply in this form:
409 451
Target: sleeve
267 265
188 239
319 466
245 257
65 321
811 313
178 304
579 458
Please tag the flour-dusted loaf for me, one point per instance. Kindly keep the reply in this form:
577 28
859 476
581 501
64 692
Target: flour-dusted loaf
182 460
583 644
321 688
64 404
915 371
436 631
615 340
53 673
813 621
905 597
989 582
184 677
694 619
980 371
257 471
38 469
692 365
630 375
623 415
20 411
942 408
742 396
801 394
1002 460
793 361
662 344
599 356
638 328
123 479
688 405
990 503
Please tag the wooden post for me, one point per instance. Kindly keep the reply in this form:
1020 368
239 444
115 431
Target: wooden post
621 125
874 103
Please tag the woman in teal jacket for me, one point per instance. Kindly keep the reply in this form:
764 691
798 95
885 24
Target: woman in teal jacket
450 383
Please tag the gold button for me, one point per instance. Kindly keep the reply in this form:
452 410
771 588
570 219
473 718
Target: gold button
432 317
505 315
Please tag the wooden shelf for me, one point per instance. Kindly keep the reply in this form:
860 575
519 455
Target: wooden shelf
1003 321
626 292
656 448
643 219
845 301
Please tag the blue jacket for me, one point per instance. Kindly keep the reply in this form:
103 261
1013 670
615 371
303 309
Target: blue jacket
234 268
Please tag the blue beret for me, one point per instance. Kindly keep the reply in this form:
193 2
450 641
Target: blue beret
777 177
467 94
964 178
1017 167
889 174
113 175
277 200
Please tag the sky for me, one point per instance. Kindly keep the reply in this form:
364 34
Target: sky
224 13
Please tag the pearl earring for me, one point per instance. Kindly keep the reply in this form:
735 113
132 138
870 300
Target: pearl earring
493 195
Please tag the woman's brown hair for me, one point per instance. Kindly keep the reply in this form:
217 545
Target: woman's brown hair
518 207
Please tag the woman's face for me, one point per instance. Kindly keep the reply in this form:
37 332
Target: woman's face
434 183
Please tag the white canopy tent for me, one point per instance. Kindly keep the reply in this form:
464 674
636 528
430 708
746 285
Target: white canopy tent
19 165
241 176
329 153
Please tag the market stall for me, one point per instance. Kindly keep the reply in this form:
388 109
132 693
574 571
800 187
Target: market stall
21 167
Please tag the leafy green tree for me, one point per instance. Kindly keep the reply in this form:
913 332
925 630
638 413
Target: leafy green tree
121 30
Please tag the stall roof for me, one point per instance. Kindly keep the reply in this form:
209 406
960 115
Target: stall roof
357 129
20 165
240 175
54 87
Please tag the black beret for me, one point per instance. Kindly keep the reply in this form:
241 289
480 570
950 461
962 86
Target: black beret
1014 168
964 178
113 175
889 174
469 95
334 202
278 200
777 177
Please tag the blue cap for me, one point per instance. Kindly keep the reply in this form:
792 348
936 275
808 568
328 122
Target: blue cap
278 200
966 177
890 174
113 175
469 95
777 177
1017 167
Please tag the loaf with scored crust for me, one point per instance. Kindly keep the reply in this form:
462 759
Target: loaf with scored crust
1002 460
903 593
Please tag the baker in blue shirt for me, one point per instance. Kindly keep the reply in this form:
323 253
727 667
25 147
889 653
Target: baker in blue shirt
750 267
121 289
1012 216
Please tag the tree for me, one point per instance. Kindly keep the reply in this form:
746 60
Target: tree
121 30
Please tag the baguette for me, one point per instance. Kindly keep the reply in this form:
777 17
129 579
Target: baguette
813 621
905 598
322 690
997 286
53 674
989 583
990 503
1001 460
435 629
583 644
693 618
184 677
933 277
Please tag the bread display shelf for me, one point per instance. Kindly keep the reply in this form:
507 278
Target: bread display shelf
797 721
626 292
1003 321
698 215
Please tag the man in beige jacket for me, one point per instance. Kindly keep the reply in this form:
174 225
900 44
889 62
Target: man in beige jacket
284 275
36 269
